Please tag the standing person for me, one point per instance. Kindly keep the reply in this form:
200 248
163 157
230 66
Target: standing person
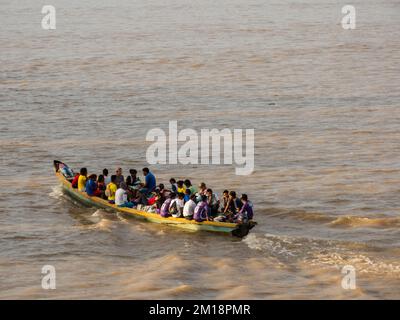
120 178
91 185
107 178
111 189
212 202
121 197
201 211
188 209
82 179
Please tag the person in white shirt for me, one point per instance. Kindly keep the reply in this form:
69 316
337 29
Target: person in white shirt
121 197
176 206
188 209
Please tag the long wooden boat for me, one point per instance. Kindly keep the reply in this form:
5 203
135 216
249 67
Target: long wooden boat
238 230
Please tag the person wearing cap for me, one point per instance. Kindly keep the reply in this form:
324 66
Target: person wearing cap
121 197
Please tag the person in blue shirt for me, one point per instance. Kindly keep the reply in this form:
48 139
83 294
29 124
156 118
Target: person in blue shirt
149 185
91 185
150 180
186 198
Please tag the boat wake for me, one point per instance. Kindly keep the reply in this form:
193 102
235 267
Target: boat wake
56 192
345 221
322 253
354 222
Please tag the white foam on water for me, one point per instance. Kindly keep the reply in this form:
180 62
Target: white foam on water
56 192
97 213
270 243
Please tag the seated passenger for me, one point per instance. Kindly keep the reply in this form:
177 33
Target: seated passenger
202 189
180 186
134 179
186 198
101 187
246 212
74 183
176 206
188 209
82 179
107 178
121 197
225 199
91 185
212 202
120 178
230 207
164 211
201 211
111 189
164 192
150 181
189 186
174 186
149 185
233 205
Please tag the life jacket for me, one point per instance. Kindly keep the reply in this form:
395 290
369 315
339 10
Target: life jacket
200 212
164 211
74 182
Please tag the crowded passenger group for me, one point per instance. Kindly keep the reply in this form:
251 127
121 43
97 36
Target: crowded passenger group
180 200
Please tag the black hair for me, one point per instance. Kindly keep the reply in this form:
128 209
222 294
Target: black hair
203 198
233 194
179 183
133 171
113 178
244 197
180 195
146 170
172 195
226 191
105 172
172 180
187 183
128 180
83 171
187 191
209 190
100 178
161 186
193 196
